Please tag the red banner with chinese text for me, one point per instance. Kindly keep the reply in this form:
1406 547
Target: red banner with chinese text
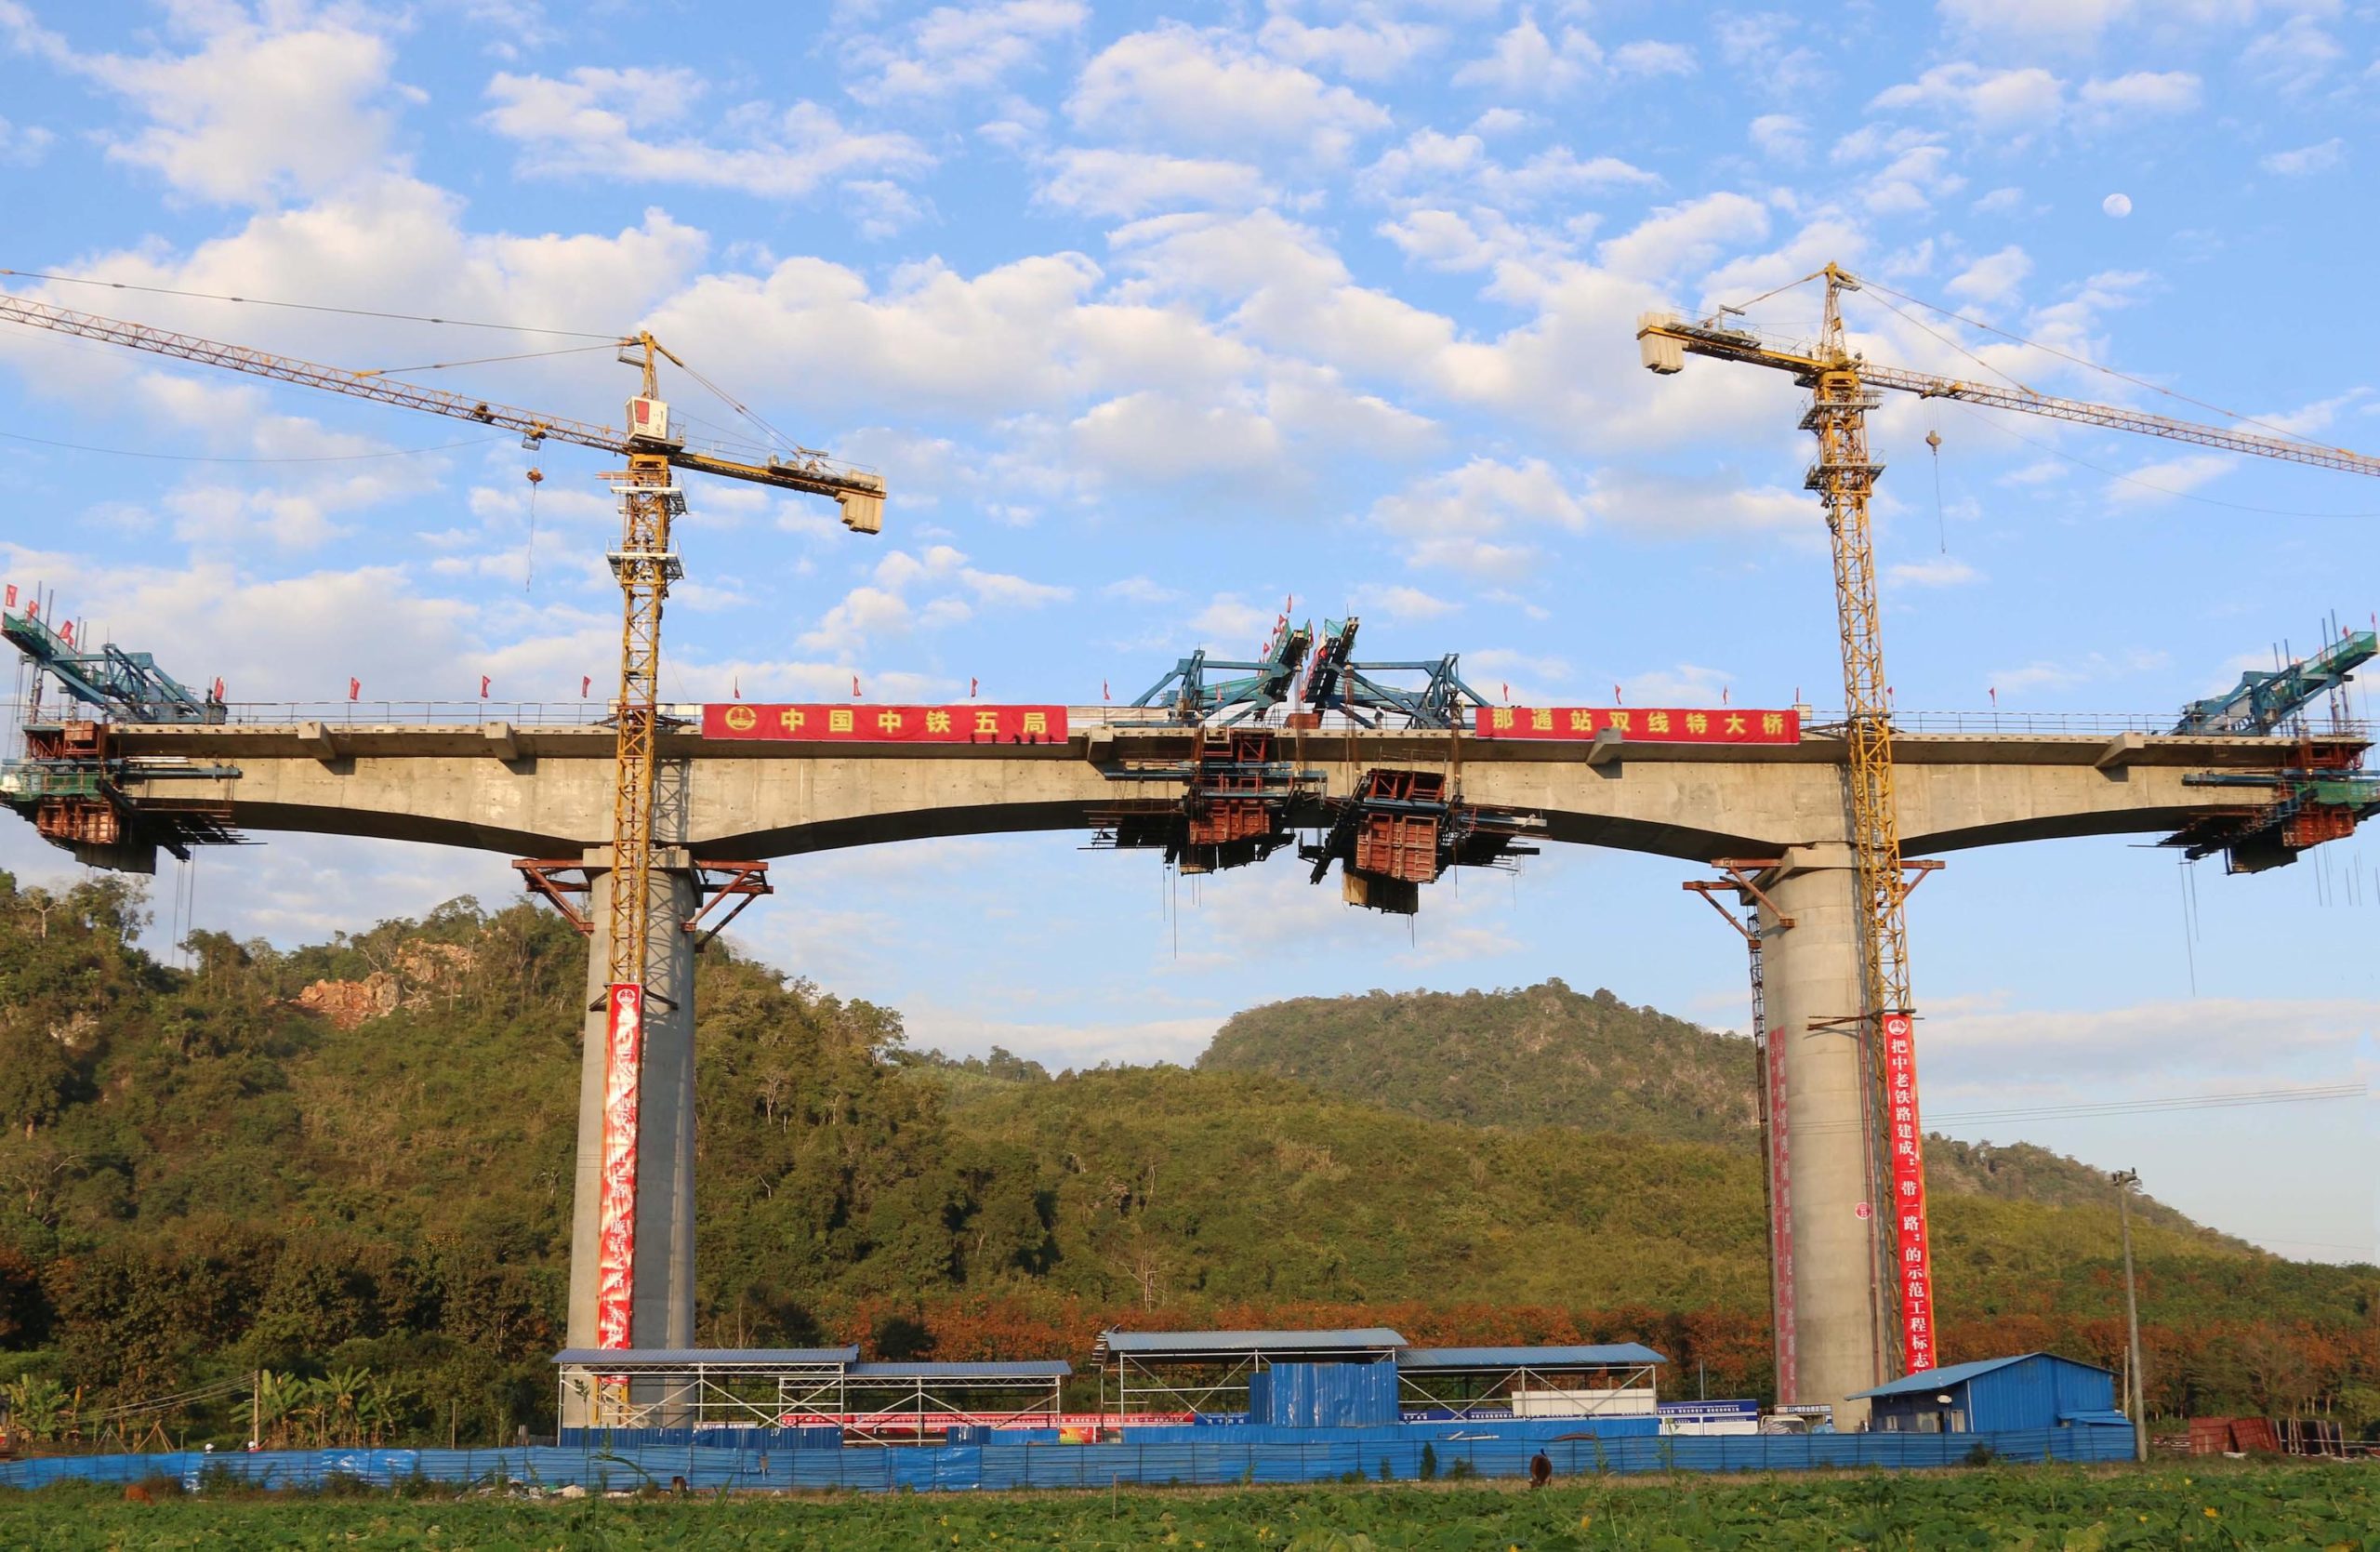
615 1198
1660 725
1914 1253
971 724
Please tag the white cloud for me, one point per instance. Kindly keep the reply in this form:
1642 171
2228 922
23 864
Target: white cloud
2090 669
602 124
2159 481
1000 588
2306 160
1430 166
1944 571
1176 85
1367 50
2142 92
292 104
1678 238
2008 100
1448 519
957 48
1398 603
1160 437
2296 56
1525 62
1993 278
1139 590
2037 22
22 147
1999 202
1650 58
879 209
2228 1035
1781 136
1104 181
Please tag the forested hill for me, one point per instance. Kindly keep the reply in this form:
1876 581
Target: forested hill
358 1154
1546 1056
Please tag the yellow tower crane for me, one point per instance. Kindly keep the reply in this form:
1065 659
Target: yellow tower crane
1843 387
645 565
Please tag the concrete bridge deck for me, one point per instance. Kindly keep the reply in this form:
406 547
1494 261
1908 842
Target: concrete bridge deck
545 790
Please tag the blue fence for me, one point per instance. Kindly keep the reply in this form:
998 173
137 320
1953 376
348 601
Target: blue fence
969 1467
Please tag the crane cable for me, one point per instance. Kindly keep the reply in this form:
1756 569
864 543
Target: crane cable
309 307
2084 361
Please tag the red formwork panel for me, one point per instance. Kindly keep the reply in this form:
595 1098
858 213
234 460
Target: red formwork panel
1398 846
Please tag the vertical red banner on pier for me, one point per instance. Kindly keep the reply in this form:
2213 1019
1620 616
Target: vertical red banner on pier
1914 1254
616 1238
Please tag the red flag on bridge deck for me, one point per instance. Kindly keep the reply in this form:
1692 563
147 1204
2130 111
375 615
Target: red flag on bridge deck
483 686
66 633
971 683
1993 691
586 682
1723 694
1615 695
12 595
736 688
855 689
354 688
218 688
1102 691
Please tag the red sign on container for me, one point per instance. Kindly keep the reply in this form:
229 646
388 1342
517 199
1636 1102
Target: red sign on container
1914 1253
971 724
1640 724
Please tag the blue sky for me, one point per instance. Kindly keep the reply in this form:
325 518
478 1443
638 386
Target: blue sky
1155 316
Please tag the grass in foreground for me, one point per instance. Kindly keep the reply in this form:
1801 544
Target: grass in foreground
2045 1508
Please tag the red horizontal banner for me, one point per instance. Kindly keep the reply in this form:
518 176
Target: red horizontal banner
972 723
1640 724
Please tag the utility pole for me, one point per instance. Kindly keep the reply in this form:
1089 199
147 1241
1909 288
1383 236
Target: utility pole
2125 1180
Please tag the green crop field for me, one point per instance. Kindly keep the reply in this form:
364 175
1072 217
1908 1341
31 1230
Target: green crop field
2053 1509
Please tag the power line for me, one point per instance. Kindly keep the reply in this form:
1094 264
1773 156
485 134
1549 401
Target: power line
312 307
206 458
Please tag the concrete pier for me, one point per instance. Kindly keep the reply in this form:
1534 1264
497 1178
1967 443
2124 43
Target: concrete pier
1810 975
663 1311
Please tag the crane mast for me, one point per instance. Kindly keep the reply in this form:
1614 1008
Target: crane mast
644 566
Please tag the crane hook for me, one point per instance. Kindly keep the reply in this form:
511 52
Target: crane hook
1941 524
529 557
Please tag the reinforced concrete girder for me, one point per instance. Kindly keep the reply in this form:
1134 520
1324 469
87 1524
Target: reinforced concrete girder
437 785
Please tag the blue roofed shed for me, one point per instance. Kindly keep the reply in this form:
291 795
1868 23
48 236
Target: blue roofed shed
2029 1391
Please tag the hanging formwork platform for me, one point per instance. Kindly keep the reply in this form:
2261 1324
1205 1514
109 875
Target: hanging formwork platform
1595 1380
1162 1376
699 1387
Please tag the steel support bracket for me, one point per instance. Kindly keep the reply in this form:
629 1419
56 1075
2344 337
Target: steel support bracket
744 881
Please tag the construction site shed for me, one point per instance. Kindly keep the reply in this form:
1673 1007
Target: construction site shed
2027 1390
1157 1375
1581 1380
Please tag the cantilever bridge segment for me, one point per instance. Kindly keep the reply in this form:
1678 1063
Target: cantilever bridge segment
541 791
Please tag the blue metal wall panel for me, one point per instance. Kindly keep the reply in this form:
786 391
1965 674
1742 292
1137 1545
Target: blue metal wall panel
1318 1455
2032 1393
1324 1395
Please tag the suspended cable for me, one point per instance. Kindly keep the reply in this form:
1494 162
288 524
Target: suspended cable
2055 451
208 458
608 334
479 361
2085 360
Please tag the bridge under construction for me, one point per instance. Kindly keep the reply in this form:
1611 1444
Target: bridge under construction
652 827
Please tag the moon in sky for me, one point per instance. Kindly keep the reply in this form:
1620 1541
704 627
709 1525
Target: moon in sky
2118 206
